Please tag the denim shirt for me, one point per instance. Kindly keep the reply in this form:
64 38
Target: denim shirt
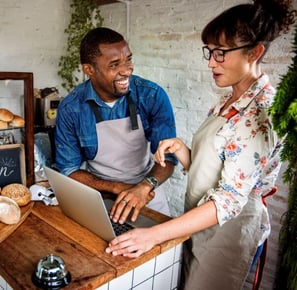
76 137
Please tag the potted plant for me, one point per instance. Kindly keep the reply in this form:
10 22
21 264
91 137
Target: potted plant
85 16
284 118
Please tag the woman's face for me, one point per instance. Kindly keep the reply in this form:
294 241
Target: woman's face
235 69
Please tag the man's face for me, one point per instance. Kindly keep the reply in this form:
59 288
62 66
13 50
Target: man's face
112 70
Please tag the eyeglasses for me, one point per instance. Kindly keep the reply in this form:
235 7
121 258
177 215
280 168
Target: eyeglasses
218 53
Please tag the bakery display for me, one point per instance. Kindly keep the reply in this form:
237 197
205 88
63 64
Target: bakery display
5 115
9 120
3 125
17 121
18 192
10 212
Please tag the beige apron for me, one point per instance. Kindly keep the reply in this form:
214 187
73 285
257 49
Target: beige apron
124 155
218 257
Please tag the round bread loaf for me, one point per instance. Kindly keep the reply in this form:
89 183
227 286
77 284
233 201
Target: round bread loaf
5 115
10 212
3 125
17 121
18 192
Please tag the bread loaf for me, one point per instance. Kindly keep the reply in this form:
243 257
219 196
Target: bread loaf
17 121
18 192
10 212
3 125
5 115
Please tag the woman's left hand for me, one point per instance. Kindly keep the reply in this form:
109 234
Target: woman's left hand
132 244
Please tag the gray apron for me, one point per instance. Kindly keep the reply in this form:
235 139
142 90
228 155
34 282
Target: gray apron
124 153
218 257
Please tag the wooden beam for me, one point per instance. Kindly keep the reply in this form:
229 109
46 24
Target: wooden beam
104 2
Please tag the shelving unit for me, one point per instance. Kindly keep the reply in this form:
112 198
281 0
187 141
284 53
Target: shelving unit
27 112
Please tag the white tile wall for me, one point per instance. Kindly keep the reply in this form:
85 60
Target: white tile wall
144 272
123 282
146 285
164 260
4 285
163 279
160 273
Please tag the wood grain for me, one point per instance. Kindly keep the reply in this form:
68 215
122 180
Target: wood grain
6 230
34 239
46 230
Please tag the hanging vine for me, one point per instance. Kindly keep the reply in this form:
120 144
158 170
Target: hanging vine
284 117
85 16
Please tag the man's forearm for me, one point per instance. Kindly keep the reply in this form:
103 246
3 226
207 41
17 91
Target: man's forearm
162 173
91 180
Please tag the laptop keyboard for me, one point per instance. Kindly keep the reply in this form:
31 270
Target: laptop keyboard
121 228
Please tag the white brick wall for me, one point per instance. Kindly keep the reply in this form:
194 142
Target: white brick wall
164 36
32 37
165 39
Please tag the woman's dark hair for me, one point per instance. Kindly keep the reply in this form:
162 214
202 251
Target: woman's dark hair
89 47
260 22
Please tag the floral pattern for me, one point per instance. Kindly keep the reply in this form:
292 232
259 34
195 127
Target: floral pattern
249 150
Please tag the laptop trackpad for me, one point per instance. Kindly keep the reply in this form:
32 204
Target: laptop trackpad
141 222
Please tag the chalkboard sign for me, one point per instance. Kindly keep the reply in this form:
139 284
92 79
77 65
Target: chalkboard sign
12 164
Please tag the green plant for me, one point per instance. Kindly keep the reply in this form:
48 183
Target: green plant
85 16
284 117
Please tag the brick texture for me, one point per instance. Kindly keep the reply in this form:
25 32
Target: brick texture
165 39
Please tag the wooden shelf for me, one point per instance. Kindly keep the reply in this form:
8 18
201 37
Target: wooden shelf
27 78
104 2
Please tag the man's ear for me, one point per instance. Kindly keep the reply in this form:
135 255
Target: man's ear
88 69
256 52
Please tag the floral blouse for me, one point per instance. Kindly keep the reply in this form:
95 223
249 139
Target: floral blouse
249 150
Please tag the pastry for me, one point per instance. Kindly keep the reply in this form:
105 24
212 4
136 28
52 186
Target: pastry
18 192
10 212
5 115
3 125
17 121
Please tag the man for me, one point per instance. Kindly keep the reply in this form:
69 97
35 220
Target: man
113 122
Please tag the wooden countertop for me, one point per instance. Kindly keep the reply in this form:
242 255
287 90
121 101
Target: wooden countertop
45 230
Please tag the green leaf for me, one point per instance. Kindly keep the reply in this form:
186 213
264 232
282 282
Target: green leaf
85 15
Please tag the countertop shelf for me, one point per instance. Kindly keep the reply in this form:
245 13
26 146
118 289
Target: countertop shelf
46 230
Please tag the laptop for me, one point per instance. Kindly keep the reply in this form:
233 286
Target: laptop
86 206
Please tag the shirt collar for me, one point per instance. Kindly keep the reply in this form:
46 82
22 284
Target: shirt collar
249 94
92 95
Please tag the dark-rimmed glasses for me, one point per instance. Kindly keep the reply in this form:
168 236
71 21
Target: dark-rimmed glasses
218 53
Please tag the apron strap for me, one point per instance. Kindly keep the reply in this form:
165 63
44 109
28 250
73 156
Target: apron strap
262 259
94 108
132 112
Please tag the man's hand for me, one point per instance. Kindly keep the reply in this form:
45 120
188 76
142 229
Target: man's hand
131 201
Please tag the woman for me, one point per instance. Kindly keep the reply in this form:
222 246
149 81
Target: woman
234 159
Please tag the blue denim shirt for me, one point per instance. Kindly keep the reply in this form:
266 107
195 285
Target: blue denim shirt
76 136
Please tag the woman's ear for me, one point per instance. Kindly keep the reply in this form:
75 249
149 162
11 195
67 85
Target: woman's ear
88 69
256 52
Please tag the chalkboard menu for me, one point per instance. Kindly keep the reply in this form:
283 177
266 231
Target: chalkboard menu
12 164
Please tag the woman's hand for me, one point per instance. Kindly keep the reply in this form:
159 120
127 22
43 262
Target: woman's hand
167 146
175 146
133 243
